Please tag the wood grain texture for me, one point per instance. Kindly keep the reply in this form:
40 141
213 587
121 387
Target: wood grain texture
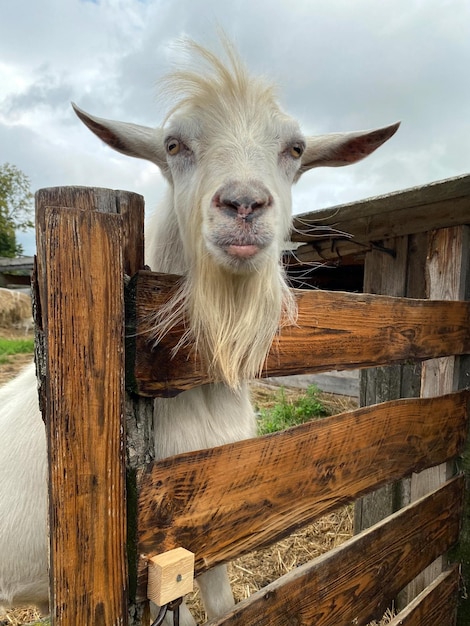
82 300
125 203
335 330
436 605
171 576
420 209
353 584
130 207
389 275
363 233
446 270
288 479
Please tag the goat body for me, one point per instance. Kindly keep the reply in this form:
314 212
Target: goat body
230 156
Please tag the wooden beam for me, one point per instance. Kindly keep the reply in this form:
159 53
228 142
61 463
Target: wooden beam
286 480
437 604
354 583
419 209
335 330
80 269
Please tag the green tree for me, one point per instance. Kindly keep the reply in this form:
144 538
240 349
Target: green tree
16 208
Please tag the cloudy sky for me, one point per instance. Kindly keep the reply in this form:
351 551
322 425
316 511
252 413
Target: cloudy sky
340 65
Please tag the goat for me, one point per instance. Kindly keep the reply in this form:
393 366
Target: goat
230 156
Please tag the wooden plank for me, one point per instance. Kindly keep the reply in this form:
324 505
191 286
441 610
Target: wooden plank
420 209
463 552
446 272
383 274
80 278
344 383
400 275
20 263
437 604
194 501
353 584
335 330
363 233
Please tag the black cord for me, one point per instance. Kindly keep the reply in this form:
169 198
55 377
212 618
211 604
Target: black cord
174 606
161 615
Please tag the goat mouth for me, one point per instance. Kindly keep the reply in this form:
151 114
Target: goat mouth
242 248
242 251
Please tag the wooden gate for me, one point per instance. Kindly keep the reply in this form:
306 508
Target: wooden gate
88 239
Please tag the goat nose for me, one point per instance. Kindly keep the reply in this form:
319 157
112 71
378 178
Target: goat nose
245 206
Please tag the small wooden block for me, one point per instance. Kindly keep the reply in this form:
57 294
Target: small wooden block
170 575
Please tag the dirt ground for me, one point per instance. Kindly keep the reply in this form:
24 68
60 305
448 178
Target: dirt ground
253 571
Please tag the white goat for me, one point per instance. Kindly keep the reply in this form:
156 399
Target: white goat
230 156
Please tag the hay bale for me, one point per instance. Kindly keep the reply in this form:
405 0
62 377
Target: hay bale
15 309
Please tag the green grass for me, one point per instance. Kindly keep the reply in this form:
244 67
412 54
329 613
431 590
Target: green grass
10 347
286 413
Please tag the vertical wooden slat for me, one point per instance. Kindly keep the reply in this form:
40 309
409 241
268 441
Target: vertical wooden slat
398 275
462 554
436 605
447 271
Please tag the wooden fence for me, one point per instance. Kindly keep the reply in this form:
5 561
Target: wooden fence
112 507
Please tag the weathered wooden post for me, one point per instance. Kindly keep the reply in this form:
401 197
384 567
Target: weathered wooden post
87 240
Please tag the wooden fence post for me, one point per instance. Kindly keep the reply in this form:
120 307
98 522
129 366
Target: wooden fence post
83 251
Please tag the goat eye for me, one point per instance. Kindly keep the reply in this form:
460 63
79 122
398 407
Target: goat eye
173 146
296 150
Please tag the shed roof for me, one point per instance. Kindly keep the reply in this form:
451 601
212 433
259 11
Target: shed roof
352 229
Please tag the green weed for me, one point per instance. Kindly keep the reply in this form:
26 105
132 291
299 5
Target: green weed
10 347
286 413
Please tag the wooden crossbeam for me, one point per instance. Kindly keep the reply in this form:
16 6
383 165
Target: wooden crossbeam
335 330
354 583
195 500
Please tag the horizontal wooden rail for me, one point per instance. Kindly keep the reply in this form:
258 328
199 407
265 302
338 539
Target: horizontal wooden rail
355 582
437 604
335 331
286 480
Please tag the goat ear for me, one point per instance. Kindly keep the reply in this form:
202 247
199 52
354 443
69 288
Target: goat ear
343 148
129 139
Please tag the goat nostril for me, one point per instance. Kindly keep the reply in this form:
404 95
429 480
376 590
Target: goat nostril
232 204
243 206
